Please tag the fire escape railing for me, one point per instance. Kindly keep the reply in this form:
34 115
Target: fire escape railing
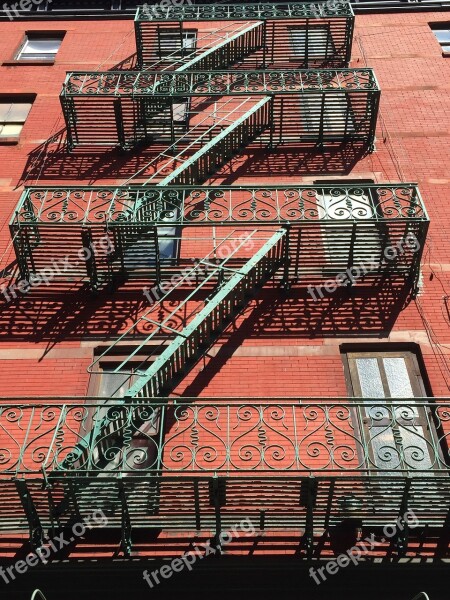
316 106
333 227
299 436
285 464
325 36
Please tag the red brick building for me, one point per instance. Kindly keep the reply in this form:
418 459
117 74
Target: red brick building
229 223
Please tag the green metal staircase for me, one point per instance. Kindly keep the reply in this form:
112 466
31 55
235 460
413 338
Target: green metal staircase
193 341
219 50
230 51
225 144
113 428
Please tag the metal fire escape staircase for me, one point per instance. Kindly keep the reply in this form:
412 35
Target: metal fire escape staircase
223 144
125 122
233 287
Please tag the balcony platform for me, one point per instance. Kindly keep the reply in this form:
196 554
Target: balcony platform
308 106
332 227
322 38
294 464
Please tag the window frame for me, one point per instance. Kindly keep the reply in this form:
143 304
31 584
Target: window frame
412 366
441 26
15 99
171 55
49 35
360 415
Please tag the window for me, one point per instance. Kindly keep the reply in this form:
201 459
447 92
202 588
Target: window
311 43
176 42
385 375
141 451
397 435
345 246
442 33
40 47
12 118
326 117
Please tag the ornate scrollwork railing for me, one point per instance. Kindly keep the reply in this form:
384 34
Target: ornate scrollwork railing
300 437
191 205
237 12
220 83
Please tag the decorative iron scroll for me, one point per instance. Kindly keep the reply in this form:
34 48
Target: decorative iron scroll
217 12
190 205
138 437
222 83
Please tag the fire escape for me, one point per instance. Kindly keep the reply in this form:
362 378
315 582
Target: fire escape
268 76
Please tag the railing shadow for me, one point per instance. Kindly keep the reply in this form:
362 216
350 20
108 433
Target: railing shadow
52 161
69 311
293 161
369 310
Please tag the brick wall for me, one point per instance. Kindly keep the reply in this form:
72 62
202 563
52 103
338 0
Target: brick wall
282 345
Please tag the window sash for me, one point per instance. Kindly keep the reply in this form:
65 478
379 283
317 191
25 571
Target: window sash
320 43
12 118
36 48
443 35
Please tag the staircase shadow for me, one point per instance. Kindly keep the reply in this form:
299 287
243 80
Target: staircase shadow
367 310
292 161
52 161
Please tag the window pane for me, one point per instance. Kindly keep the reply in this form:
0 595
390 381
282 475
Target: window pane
320 43
443 35
180 112
5 110
41 46
18 112
416 450
386 456
189 40
369 378
398 378
114 385
169 42
10 130
446 48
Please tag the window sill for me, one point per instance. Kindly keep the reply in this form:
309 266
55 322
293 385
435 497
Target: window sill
9 141
28 63
445 54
